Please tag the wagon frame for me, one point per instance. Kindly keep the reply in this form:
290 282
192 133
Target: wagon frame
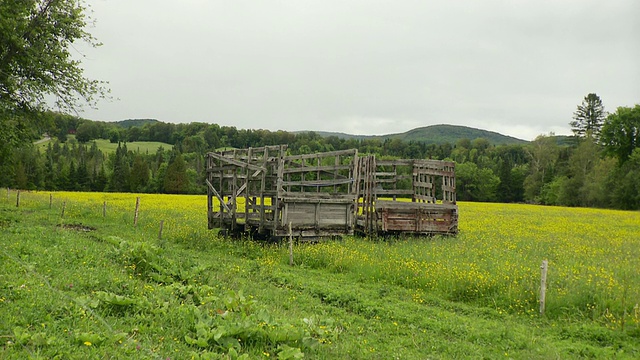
401 197
265 192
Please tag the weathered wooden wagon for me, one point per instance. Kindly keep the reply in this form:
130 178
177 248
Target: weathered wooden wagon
265 192
400 196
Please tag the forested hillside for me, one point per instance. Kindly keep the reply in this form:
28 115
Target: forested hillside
597 167
435 134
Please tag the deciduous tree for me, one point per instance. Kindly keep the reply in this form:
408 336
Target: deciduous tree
36 64
621 132
35 58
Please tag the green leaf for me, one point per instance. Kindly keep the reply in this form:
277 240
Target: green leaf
287 352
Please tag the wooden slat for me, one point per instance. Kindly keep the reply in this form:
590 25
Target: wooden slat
317 182
401 162
215 192
382 192
237 162
423 184
326 168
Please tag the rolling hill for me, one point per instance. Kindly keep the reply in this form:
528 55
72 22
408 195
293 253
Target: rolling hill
437 134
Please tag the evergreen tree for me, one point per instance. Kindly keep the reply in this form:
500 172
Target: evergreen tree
157 183
176 180
62 181
139 174
72 184
120 175
82 179
589 117
100 180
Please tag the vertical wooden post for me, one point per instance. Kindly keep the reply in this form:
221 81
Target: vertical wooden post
161 227
543 285
290 245
18 199
8 194
104 209
135 216
64 206
50 200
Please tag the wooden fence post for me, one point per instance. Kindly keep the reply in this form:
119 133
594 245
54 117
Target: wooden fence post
543 285
8 194
135 217
64 205
160 232
104 209
18 199
290 245
50 200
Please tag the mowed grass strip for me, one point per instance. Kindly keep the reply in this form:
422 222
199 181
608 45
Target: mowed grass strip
106 146
88 286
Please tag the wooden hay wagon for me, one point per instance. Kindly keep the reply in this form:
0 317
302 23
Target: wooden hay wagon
399 196
264 192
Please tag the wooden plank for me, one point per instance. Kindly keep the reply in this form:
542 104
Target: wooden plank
215 192
298 198
383 192
237 162
426 185
380 204
397 162
325 168
429 199
255 149
318 183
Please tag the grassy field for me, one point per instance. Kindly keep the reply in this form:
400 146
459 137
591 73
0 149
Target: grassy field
86 286
108 147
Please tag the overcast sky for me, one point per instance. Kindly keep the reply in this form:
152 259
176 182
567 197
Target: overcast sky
364 67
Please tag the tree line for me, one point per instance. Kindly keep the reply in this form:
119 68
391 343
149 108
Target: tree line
600 167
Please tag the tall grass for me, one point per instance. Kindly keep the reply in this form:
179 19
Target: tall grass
495 261
119 291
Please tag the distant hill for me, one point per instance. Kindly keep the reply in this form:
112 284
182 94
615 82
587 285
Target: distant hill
436 134
433 134
135 122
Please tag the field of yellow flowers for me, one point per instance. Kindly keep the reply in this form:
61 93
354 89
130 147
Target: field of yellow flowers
593 254
493 264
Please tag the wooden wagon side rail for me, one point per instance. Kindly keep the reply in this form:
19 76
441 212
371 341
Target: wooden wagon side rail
262 190
243 183
406 196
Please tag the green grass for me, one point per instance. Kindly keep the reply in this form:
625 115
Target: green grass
138 146
108 147
84 286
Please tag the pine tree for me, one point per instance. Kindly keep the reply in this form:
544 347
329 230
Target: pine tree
83 182
589 117
176 180
139 174
119 179
99 182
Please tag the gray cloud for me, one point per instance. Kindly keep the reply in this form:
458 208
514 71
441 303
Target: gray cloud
365 67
